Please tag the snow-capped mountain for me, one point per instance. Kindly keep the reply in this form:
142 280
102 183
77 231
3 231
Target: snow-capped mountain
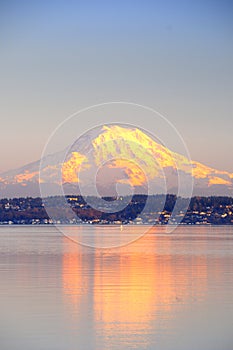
113 158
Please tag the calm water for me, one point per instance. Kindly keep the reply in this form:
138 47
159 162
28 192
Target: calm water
165 292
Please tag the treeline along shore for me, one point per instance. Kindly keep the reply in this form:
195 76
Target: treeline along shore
138 209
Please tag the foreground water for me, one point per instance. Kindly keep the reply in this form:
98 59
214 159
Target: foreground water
164 291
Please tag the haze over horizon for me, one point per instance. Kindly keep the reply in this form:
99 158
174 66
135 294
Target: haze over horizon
60 56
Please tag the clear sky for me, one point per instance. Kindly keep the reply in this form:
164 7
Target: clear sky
59 56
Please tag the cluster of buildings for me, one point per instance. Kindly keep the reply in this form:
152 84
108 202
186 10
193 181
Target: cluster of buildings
201 211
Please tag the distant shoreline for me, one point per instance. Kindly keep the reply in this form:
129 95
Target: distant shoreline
114 225
153 210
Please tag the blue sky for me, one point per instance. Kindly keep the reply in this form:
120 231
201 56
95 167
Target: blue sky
60 56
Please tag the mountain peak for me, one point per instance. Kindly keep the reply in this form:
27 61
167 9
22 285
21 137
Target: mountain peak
115 155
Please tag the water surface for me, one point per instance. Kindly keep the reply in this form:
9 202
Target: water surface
164 291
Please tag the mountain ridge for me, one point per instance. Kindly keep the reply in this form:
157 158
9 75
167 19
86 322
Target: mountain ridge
118 155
